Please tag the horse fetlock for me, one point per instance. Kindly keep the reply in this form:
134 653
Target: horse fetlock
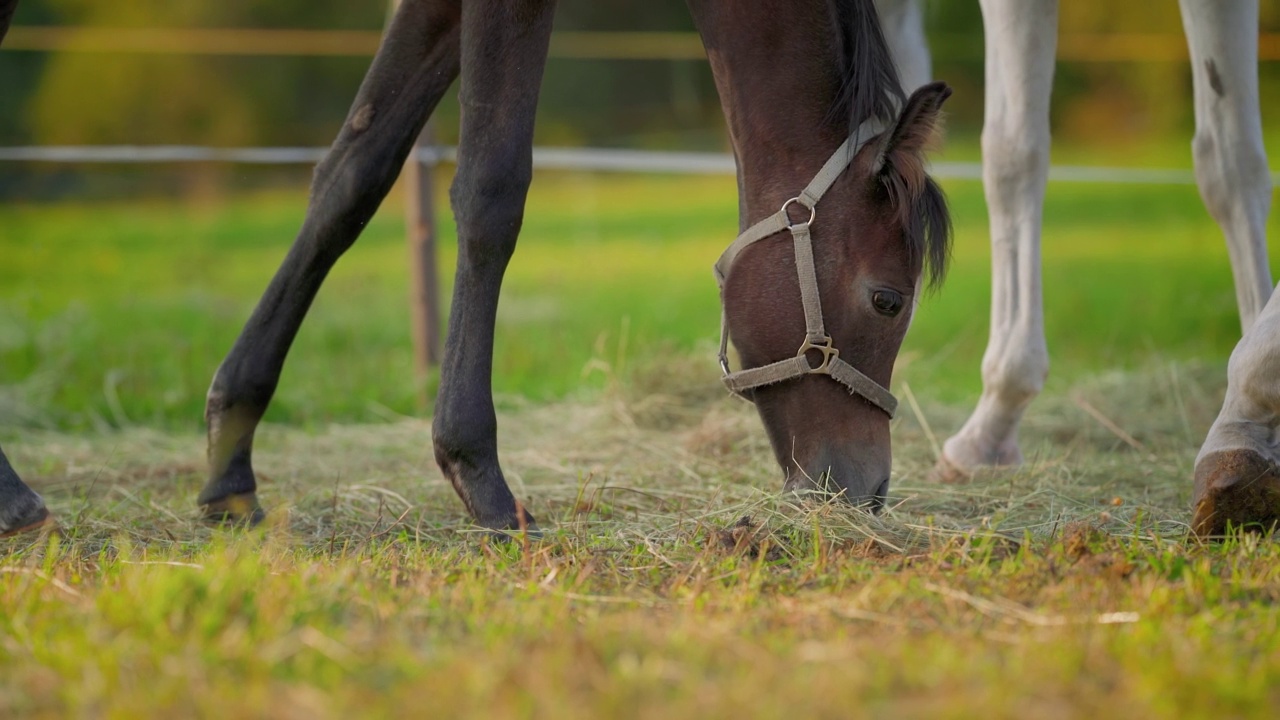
1013 381
230 454
238 389
971 449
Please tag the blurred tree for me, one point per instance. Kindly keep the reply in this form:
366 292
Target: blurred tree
151 98
124 98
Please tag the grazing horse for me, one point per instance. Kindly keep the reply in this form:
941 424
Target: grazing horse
1237 473
20 507
798 81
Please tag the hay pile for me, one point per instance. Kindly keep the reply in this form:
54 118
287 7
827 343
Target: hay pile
660 459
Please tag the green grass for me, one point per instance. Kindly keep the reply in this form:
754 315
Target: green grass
117 314
1067 588
389 629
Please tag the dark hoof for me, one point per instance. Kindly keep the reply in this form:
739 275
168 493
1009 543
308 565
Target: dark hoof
1236 488
530 531
948 473
234 511
40 520
514 526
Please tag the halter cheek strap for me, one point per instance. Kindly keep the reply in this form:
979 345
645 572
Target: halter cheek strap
816 339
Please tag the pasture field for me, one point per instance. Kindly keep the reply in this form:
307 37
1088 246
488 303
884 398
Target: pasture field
673 580
118 314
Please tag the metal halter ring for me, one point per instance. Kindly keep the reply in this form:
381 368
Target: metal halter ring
828 350
813 213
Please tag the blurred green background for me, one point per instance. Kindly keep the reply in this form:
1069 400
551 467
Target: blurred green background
1132 103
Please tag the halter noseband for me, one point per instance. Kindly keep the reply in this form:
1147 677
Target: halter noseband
816 337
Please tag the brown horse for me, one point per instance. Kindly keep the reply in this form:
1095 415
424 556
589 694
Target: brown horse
796 78
836 279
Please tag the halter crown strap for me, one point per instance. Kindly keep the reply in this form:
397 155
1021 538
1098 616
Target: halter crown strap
816 340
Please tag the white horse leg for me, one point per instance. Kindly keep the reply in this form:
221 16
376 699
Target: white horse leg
903 24
1231 163
1021 37
1237 476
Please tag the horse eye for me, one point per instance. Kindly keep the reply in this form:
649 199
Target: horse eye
887 302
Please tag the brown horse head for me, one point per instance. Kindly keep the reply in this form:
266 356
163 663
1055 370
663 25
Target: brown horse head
873 247
879 235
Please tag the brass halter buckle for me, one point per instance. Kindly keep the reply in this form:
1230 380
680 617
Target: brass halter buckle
828 350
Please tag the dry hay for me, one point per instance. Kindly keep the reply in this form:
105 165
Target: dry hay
662 459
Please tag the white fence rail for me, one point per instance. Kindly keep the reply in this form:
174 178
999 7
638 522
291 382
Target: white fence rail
589 159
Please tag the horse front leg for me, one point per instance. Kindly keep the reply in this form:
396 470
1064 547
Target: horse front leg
504 49
1230 160
1237 473
415 65
1021 37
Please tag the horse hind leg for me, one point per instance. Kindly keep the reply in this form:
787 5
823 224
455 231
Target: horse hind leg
504 48
415 65
1020 43
1237 472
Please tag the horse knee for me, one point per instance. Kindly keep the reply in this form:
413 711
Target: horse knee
488 204
1232 175
1013 158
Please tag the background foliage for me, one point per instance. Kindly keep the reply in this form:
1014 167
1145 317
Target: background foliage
142 98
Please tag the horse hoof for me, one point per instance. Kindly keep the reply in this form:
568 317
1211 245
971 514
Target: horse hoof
948 473
41 520
511 526
240 510
531 531
1236 488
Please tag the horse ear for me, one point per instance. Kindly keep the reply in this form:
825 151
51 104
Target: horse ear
915 198
902 148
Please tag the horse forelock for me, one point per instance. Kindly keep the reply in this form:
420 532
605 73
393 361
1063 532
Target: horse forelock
918 203
870 90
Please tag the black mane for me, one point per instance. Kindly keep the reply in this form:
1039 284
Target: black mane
869 85
870 89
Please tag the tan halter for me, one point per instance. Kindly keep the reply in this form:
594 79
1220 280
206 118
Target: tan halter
816 337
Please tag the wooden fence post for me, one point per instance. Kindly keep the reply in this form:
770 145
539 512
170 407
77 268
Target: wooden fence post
424 290
420 227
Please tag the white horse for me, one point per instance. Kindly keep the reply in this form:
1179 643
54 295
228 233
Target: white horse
1237 479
